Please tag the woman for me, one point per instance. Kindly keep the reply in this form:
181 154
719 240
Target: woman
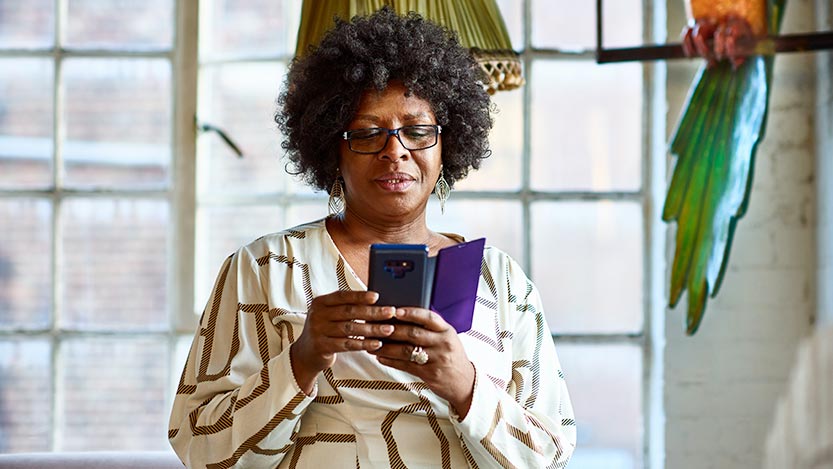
292 366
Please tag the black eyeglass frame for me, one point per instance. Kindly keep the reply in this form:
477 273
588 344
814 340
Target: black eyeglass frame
348 135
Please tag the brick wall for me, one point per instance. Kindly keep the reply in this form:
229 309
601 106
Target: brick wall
721 385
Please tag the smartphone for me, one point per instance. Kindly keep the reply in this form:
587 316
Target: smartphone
400 274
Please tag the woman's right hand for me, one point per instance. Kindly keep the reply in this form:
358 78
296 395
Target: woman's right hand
332 327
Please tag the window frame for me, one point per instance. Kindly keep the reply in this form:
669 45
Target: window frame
182 197
651 190
182 59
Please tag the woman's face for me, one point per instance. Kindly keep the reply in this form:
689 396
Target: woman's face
394 184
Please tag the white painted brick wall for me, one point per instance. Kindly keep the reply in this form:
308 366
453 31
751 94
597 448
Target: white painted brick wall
721 385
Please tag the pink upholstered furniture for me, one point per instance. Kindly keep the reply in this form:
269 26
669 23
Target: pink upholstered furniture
92 460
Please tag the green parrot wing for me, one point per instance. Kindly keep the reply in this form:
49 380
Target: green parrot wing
715 141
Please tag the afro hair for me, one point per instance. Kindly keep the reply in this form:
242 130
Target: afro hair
323 88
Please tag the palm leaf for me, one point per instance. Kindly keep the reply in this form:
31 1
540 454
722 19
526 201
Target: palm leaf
715 143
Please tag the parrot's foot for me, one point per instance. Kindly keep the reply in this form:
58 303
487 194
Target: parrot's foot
718 40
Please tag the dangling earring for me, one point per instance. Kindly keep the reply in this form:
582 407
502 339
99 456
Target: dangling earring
443 190
336 202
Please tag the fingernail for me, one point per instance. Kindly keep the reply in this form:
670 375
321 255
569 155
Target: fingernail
375 345
387 329
400 313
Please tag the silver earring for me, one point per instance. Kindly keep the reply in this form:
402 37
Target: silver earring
336 202
443 190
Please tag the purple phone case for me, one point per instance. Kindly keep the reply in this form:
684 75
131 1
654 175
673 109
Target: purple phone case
456 275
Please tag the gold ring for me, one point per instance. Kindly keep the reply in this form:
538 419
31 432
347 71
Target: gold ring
419 356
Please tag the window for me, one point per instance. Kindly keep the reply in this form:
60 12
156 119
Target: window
570 167
120 216
244 51
85 203
563 193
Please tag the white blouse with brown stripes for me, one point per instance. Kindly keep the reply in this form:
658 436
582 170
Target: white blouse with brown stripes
238 405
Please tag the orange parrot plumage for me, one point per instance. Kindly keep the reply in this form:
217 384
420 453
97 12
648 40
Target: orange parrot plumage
716 27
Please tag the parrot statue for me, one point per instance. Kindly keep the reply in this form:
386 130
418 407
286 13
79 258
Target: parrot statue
725 23
715 141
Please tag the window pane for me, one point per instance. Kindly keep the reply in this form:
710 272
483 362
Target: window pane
605 383
25 263
25 395
499 221
115 255
240 99
304 212
512 13
118 123
27 24
180 356
588 265
113 394
586 126
120 24
501 170
248 27
220 231
571 25
26 120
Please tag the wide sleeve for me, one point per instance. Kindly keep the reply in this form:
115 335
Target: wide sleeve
529 422
237 403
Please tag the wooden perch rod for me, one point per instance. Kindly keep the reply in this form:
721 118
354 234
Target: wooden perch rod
769 45
765 46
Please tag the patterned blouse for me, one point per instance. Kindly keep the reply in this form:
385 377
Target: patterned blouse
239 405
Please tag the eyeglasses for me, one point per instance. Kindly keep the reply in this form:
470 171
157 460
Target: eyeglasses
412 137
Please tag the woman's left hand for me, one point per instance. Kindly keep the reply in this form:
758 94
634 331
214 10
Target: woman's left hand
448 371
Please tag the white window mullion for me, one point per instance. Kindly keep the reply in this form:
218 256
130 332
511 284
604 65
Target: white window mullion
653 185
648 364
57 185
526 209
57 304
58 131
58 410
181 280
655 268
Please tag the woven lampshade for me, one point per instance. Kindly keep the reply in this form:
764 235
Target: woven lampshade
478 24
